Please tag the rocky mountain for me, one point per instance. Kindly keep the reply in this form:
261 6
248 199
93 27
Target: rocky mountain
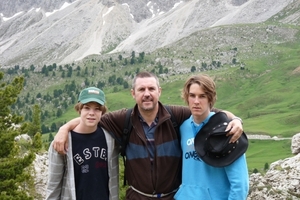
56 31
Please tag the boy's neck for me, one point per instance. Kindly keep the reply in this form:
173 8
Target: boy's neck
85 129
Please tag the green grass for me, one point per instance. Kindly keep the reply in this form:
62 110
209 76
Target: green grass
261 152
122 99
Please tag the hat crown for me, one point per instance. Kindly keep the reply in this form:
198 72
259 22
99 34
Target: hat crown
92 94
212 145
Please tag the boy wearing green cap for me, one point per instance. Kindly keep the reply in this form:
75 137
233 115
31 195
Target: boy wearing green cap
90 168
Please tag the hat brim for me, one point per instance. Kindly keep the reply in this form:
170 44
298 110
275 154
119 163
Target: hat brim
92 100
212 138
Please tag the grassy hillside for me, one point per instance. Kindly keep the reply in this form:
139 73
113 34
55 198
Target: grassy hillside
267 100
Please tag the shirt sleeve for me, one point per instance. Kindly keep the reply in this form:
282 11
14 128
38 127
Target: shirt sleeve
55 174
238 177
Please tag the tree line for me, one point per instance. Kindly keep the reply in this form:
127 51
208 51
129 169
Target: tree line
56 102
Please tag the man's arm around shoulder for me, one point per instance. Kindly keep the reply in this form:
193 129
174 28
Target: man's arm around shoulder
60 142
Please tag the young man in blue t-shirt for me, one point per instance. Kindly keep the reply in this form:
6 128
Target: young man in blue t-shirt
202 180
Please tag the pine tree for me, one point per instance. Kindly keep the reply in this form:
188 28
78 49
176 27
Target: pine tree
35 125
14 180
37 142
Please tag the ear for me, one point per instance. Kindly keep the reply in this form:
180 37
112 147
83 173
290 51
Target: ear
132 93
159 91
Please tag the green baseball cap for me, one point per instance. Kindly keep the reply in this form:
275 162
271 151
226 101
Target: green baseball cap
91 94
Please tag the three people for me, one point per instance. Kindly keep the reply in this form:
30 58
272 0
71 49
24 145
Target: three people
89 170
153 166
223 178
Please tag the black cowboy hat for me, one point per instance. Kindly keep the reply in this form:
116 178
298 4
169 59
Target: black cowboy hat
212 145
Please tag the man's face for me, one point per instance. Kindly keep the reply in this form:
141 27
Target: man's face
198 103
146 93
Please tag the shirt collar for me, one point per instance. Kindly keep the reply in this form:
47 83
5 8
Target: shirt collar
196 126
153 123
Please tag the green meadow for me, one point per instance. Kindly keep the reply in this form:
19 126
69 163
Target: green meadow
261 152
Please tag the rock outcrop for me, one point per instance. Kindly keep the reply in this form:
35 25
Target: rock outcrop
282 180
40 166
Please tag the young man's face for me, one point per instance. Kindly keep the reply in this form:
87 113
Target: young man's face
90 114
146 93
198 103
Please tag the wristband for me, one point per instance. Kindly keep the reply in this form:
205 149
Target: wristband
238 119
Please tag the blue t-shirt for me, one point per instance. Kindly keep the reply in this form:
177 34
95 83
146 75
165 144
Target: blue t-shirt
202 181
90 165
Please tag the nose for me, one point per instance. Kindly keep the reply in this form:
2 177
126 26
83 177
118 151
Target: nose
91 111
147 93
196 99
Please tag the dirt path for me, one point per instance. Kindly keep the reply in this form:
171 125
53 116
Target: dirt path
266 137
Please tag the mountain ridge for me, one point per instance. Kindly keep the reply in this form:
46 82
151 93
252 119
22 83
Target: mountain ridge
88 27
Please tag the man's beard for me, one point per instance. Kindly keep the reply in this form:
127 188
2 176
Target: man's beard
148 107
